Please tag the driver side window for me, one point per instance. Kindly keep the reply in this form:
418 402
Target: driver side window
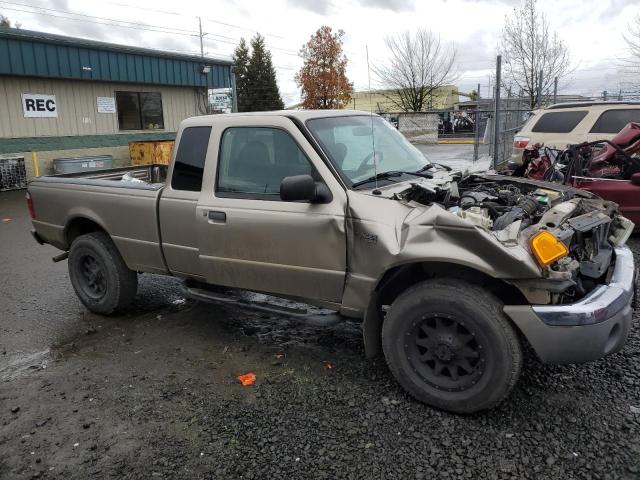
254 160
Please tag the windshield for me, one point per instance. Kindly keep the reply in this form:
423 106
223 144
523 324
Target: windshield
349 143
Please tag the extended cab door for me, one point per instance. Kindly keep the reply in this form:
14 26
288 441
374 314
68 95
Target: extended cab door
177 209
247 237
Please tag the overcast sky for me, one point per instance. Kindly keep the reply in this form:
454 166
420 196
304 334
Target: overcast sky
592 29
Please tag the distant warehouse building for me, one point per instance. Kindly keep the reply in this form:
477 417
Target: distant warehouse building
68 97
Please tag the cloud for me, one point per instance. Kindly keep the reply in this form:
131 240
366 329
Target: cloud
613 8
393 5
514 3
321 7
324 7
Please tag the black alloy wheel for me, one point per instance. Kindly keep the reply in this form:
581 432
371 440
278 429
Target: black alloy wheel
445 352
94 283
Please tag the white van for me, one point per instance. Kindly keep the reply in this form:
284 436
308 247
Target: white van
565 124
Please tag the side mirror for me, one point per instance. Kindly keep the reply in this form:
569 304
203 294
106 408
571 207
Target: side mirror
635 179
300 188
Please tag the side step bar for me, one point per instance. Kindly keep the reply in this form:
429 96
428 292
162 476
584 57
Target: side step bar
232 297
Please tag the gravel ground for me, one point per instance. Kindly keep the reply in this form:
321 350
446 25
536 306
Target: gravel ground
154 394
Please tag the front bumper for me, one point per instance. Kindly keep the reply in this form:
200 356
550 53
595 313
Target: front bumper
587 330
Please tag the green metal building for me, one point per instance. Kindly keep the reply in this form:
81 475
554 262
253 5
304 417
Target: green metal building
67 97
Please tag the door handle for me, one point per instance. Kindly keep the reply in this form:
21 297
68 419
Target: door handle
217 217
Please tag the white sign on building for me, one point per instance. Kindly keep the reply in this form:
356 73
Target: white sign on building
220 99
36 105
106 105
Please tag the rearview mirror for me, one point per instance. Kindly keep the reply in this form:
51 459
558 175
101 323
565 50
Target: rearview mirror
300 188
635 179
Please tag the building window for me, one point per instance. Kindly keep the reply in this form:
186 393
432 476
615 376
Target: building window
139 110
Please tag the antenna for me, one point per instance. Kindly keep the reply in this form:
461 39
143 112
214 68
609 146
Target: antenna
373 137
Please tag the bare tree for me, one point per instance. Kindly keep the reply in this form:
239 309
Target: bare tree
633 40
419 64
529 46
4 21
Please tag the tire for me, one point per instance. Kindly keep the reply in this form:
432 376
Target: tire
100 278
449 344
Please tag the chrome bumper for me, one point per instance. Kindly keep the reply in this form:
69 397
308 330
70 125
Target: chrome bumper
602 303
587 330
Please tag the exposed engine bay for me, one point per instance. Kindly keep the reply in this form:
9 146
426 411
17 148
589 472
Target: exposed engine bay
515 211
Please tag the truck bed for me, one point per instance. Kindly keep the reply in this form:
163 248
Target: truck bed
126 209
153 175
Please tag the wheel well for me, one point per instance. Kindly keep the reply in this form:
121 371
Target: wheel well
80 226
398 279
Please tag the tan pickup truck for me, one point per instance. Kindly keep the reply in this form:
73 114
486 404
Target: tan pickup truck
450 272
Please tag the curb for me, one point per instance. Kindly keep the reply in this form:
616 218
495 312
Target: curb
456 142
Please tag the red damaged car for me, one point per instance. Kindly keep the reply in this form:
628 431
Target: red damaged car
608 168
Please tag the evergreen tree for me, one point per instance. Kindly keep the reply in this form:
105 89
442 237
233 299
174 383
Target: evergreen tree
262 86
240 65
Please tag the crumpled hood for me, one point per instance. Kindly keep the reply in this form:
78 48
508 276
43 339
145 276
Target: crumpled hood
485 222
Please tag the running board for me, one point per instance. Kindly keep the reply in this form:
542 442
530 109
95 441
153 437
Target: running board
234 297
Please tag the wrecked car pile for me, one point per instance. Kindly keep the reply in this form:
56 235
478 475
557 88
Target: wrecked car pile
571 233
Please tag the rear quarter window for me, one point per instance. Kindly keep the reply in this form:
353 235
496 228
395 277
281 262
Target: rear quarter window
612 121
188 166
558 122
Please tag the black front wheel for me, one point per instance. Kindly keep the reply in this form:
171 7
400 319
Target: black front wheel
450 345
99 276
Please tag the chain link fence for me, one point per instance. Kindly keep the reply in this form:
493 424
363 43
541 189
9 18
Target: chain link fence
512 113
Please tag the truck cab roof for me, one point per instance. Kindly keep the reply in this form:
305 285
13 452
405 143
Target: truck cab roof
301 115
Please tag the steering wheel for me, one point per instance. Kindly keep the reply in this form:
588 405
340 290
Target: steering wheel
364 165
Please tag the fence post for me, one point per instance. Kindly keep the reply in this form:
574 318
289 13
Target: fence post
476 127
496 113
476 134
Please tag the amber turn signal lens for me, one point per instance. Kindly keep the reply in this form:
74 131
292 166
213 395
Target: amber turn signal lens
547 248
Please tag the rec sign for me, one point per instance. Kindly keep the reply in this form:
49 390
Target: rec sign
35 105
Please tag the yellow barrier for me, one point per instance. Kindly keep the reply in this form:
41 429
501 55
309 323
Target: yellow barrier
34 160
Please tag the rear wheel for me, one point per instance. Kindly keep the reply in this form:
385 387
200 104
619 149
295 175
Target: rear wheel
99 276
450 345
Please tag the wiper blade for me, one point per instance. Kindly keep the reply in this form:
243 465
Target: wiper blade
389 174
429 166
446 167
378 176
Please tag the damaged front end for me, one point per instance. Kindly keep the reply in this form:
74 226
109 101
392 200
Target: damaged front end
572 234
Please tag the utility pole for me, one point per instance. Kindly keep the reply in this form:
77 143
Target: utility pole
496 112
539 102
478 90
201 37
555 90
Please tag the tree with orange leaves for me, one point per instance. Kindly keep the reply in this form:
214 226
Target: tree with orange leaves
322 77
